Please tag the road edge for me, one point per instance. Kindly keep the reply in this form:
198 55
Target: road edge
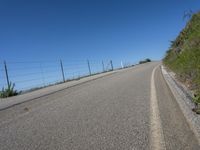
5 104
19 99
183 101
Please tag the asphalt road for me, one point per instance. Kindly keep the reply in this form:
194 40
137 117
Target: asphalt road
109 113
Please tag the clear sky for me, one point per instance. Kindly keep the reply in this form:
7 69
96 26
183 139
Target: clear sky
94 29
127 30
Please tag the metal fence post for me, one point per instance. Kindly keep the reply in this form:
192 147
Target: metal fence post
103 66
88 63
111 64
6 71
61 66
122 65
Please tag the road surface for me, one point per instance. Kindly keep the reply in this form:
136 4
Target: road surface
131 109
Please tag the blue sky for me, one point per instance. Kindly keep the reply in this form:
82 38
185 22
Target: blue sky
127 30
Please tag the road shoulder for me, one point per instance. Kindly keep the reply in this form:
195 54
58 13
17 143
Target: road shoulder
29 96
176 113
19 99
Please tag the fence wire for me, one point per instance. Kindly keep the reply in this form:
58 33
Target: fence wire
29 75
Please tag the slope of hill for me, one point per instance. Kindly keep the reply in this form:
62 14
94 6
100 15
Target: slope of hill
183 57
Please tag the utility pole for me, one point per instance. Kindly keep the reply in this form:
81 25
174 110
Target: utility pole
61 66
111 65
6 71
103 66
88 63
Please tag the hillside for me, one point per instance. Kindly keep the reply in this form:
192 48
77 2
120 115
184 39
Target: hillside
183 57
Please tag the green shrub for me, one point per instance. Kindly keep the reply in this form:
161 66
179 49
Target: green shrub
9 91
145 61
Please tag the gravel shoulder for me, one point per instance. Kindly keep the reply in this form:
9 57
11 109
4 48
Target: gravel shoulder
175 114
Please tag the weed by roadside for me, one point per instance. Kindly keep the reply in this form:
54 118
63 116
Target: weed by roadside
9 91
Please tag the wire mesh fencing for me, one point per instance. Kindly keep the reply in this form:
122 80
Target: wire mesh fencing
30 75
